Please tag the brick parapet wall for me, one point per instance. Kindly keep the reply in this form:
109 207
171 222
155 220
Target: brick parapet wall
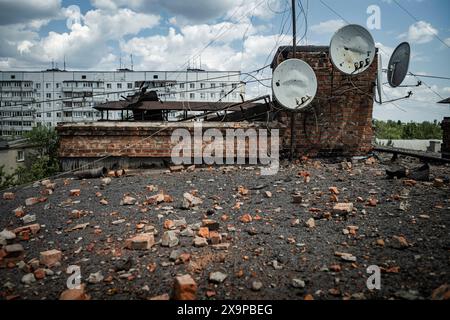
135 139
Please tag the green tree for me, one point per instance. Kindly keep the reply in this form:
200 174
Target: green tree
6 180
46 161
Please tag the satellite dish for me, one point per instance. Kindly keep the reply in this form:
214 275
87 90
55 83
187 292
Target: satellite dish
399 64
294 84
352 49
379 78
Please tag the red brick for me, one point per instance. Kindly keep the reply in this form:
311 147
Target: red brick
185 288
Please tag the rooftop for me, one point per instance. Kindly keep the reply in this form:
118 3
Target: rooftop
264 233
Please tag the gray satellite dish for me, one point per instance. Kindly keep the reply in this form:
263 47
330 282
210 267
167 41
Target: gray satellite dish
352 49
294 84
399 64
379 78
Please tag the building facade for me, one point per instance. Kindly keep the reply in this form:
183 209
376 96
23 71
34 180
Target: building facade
44 98
15 153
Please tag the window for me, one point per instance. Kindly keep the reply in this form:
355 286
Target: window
223 84
13 76
108 86
213 95
48 95
38 85
182 95
49 115
47 85
27 84
202 85
57 86
192 95
181 85
129 85
202 96
192 85
155 76
213 85
234 85
20 156
83 77
119 86
58 114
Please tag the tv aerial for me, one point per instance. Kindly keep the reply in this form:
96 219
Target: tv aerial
294 84
352 49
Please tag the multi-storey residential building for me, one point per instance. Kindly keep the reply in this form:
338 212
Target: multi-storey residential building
44 98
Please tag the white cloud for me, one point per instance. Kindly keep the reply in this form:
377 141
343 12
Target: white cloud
420 32
327 27
196 10
85 44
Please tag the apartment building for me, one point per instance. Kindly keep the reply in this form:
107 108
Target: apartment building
44 98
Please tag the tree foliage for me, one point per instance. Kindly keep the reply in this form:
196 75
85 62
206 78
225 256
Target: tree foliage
396 130
44 160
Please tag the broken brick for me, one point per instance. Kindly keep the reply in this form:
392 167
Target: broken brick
215 237
8 196
31 201
203 232
50 257
185 288
334 190
246 218
140 242
343 207
211 224
75 192
74 294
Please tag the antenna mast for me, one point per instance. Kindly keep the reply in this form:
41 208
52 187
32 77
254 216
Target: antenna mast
294 43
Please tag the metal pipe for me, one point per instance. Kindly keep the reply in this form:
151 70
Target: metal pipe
294 49
91 173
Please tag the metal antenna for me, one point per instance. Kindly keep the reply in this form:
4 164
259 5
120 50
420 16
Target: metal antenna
294 43
131 58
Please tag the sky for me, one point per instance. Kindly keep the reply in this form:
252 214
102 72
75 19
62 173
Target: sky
225 35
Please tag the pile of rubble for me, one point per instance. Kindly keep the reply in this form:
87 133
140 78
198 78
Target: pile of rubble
205 233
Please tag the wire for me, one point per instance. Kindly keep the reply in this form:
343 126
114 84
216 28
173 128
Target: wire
417 20
119 152
278 12
116 92
335 12
429 76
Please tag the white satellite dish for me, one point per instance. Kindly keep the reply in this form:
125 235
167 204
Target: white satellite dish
352 49
294 84
380 79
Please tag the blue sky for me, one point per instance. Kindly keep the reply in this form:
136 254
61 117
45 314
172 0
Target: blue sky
224 35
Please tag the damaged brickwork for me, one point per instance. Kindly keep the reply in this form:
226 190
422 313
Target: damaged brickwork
339 120
133 144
